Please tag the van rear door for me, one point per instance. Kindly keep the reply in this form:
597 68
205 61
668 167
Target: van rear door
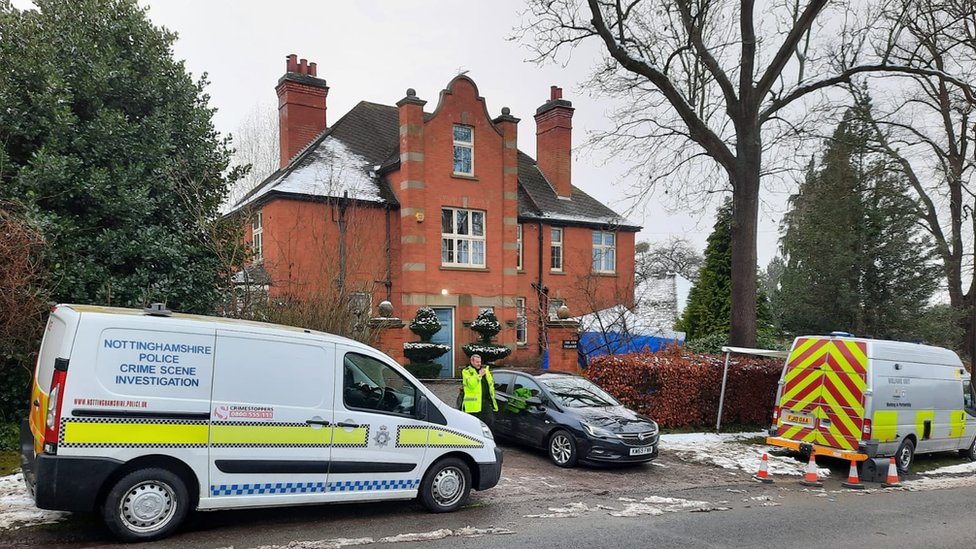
822 400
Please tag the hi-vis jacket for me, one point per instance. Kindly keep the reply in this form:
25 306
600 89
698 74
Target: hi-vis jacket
472 389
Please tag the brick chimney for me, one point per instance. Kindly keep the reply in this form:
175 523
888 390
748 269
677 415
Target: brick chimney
554 141
301 106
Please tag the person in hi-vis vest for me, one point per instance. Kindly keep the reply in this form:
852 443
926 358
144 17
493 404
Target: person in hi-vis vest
479 387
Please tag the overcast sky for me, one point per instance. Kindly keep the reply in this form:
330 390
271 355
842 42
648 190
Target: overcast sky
374 50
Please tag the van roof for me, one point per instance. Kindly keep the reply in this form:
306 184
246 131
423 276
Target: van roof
886 349
217 320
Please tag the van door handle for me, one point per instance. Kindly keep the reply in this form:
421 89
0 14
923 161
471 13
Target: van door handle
318 422
349 425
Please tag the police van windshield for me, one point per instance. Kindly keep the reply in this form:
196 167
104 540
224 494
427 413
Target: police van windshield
576 392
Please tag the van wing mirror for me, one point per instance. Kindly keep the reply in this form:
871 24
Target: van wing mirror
422 404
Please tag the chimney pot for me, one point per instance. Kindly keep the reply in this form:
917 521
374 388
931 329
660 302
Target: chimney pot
291 65
555 92
312 70
303 66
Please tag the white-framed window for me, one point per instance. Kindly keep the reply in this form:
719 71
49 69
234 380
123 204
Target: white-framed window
518 246
556 250
604 252
521 322
462 237
554 305
257 236
463 150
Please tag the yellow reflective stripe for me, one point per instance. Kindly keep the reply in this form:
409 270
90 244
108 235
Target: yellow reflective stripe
855 351
269 434
920 418
800 387
884 426
957 423
802 348
441 437
413 437
850 401
134 433
814 357
354 436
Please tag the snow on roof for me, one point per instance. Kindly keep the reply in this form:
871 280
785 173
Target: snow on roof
329 171
654 314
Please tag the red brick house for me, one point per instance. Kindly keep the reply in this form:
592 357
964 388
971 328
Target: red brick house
436 208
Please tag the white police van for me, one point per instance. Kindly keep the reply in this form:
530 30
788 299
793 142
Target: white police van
144 415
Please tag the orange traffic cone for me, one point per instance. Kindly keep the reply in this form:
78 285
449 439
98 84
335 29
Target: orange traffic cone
892 481
763 474
852 481
810 478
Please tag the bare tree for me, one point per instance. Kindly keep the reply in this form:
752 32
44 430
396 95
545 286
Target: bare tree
255 145
674 255
925 125
702 81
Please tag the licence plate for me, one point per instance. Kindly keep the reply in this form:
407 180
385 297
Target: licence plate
798 419
642 451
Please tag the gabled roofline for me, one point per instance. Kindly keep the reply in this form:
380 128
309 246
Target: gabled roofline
449 90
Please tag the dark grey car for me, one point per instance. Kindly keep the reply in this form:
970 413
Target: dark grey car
571 418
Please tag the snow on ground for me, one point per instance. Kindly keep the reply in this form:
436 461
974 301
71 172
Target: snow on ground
727 450
17 508
338 543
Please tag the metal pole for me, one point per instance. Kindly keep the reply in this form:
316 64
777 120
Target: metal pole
721 398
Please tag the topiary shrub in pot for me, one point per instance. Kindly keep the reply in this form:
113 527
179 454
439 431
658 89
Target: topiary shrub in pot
487 326
421 354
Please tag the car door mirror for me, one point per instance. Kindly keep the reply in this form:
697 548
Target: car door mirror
534 401
422 405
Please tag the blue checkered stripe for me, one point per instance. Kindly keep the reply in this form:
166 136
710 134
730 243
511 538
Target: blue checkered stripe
311 487
370 485
268 488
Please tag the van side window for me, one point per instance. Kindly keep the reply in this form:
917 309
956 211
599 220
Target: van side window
969 399
371 385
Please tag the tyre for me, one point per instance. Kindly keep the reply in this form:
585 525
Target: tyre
562 449
446 486
146 504
971 452
905 455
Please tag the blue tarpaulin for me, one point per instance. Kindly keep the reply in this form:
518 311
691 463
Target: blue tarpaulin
594 344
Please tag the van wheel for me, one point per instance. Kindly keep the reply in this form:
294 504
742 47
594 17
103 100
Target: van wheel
146 504
562 449
446 486
904 455
971 452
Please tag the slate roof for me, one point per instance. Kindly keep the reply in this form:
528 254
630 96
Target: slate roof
353 154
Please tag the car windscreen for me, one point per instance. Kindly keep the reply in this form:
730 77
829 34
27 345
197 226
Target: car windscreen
576 392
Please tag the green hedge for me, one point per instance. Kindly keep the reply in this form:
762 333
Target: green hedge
678 388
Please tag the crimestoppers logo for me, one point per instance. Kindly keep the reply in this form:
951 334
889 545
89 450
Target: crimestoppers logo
246 412
220 412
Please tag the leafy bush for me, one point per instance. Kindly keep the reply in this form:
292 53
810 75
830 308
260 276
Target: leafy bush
425 324
713 343
678 388
421 352
490 352
426 370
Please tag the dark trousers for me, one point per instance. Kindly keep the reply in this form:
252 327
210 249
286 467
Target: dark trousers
487 415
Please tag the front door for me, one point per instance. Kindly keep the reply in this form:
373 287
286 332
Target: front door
379 445
445 315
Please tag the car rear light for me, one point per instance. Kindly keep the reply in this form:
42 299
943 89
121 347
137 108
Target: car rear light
866 430
54 399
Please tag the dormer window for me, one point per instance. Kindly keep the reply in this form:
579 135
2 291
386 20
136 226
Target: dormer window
463 150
